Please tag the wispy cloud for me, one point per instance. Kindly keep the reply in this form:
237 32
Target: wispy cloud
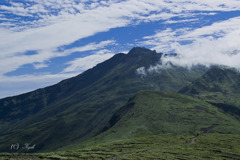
66 26
82 64
46 39
180 21
214 44
89 47
11 63
15 85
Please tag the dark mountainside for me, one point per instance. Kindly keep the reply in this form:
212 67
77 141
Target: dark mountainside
78 108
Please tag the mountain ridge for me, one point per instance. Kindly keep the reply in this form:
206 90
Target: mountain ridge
219 84
84 104
81 104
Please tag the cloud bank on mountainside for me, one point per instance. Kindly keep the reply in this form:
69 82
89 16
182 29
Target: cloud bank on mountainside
216 44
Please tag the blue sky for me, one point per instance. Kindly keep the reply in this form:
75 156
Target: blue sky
44 42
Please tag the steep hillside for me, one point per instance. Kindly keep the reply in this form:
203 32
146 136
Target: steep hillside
154 113
78 108
219 86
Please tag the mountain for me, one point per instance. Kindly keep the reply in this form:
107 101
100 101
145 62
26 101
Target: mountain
78 108
154 113
219 86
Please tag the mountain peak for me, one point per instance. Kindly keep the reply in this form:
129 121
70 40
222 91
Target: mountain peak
140 50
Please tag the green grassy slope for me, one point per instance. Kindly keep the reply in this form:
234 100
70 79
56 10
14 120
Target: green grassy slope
79 108
207 146
219 86
153 113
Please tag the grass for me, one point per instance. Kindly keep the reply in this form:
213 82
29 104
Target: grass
164 112
153 113
167 146
217 85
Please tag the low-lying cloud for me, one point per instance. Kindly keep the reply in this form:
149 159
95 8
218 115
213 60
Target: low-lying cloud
209 51
217 44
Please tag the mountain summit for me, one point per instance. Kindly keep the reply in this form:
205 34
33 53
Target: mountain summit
78 108
140 51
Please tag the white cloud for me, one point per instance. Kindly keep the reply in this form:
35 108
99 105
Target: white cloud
46 39
102 18
214 44
164 40
180 21
141 71
40 65
66 27
82 64
89 47
60 30
208 51
11 63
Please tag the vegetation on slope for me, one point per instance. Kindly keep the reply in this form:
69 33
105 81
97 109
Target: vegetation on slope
167 146
153 113
219 86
